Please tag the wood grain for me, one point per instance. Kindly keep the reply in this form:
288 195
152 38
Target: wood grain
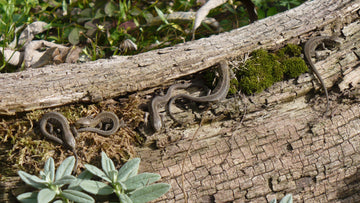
94 81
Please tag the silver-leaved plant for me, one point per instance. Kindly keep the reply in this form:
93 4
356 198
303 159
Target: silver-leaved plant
129 186
287 199
50 184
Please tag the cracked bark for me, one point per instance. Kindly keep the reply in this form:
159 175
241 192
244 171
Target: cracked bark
283 145
67 83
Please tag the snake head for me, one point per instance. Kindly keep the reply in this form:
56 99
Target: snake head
157 125
69 139
155 118
71 143
83 122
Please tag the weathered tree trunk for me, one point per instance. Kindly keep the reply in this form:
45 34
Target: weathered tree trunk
280 145
67 83
271 154
283 145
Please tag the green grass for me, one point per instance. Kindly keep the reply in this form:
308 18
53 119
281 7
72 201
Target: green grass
101 26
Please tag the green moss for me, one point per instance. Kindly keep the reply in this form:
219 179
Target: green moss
234 83
290 50
291 62
294 67
260 72
263 68
278 73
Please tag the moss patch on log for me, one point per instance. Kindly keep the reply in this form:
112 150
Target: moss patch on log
263 69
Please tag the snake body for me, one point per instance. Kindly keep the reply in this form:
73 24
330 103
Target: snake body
217 94
55 120
105 123
157 101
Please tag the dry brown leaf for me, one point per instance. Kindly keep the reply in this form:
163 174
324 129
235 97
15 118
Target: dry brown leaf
53 53
30 31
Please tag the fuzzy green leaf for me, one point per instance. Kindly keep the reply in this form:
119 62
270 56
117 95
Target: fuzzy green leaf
65 180
85 175
96 171
49 169
65 168
107 164
45 177
122 185
287 199
42 173
74 36
113 175
129 169
77 196
125 199
32 180
58 201
28 197
46 195
110 8
99 14
96 187
149 193
141 180
273 201
87 13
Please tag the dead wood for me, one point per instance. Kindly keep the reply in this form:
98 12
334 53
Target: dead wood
283 145
101 79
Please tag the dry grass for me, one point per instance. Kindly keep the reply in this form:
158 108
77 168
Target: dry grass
22 147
